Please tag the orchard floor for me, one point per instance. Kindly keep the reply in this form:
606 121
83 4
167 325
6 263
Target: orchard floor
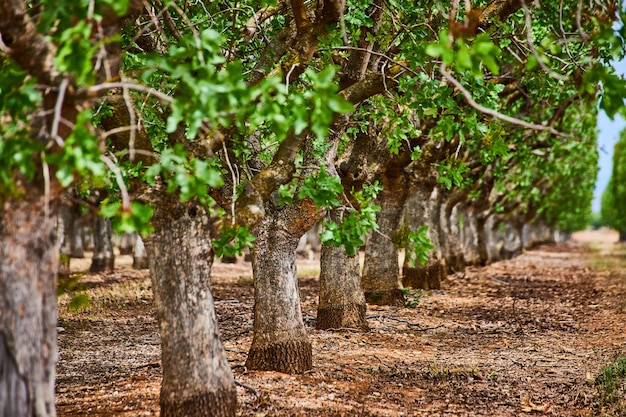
527 336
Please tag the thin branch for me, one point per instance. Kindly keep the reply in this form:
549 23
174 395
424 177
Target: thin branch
531 46
491 112
132 86
235 182
58 108
247 387
46 182
581 31
133 122
387 57
119 179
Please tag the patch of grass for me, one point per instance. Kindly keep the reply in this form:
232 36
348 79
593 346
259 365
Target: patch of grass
308 271
611 386
412 297
376 296
69 285
120 295
438 372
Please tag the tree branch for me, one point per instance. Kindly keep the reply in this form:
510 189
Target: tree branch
470 100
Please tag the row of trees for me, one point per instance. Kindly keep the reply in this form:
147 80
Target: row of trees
613 201
466 127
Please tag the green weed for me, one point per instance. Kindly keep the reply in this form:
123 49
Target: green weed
611 387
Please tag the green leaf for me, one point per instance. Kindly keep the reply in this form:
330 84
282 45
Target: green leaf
119 6
322 188
463 58
232 241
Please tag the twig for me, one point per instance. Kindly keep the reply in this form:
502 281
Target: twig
245 331
132 86
133 122
343 329
410 324
380 54
247 387
46 181
119 179
58 108
235 182
531 45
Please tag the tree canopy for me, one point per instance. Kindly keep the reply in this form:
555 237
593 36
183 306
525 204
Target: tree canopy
220 98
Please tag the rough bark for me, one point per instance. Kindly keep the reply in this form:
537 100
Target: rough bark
381 269
126 242
422 209
103 255
512 239
197 380
341 300
470 238
280 341
140 257
29 256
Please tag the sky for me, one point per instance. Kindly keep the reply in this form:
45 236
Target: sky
608 133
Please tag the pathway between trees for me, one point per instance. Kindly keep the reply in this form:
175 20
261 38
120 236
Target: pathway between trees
525 336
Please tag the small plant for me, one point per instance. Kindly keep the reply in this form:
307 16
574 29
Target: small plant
376 296
69 285
412 297
611 387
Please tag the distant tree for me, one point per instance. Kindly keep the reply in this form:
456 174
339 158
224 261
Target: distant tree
613 209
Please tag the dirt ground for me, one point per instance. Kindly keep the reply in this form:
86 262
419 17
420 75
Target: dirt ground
526 336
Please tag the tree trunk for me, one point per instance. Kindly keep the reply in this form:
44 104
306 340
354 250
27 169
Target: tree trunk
482 238
140 257
103 256
126 243
29 256
381 269
197 380
470 237
622 236
341 301
280 341
422 209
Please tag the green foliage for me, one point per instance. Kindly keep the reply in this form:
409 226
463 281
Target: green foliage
207 64
415 242
467 57
70 285
354 224
190 178
611 385
81 154
127 220
613 210
412 297
232 241
75 52
18 92
451 173
322 188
